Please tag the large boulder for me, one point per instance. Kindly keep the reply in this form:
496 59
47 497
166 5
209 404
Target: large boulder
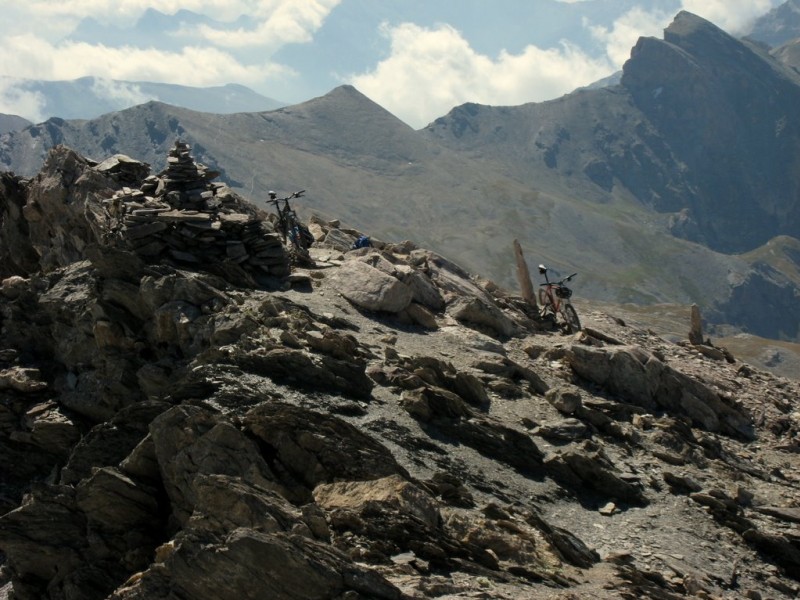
191 442
394 491
371 288
248 564
477 311
316 448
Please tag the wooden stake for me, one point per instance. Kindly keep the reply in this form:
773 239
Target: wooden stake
696 331
524 276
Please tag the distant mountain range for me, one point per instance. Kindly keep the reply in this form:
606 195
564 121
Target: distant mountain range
12 123
789 54
677 185
90 97
778 26
347 43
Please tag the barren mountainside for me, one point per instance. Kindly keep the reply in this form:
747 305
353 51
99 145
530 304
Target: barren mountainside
701 128
186 413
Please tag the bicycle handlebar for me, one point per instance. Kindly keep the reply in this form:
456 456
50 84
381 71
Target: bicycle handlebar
297 194
568 278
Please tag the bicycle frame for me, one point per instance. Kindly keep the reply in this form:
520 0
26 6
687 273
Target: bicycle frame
549 298
290 227
287 217
555 303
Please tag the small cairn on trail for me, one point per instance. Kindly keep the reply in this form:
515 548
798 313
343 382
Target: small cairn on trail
182 215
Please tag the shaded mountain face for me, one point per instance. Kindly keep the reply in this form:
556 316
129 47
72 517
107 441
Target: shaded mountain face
702 126
727 113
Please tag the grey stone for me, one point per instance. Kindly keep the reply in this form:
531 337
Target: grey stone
370 288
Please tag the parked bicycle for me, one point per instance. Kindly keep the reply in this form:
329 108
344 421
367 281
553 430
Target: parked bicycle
554 297
290 227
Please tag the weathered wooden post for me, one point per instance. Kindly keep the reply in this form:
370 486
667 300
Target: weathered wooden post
524 277
696 331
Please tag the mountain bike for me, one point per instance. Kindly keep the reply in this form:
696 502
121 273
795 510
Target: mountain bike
554 297
290 227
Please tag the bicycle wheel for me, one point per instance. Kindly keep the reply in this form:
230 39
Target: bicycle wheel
299 245
571 318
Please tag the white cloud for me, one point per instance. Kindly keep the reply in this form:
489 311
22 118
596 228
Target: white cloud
734 16
32 42
292 21
20 102
627 29
291 15
430 71
200 66
120 92
26 56
122 12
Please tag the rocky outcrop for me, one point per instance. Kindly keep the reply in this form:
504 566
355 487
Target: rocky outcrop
180 215
646 381
167 432
17 256
63 211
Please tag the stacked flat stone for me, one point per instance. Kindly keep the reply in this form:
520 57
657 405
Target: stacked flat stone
181 215
185 182
124 169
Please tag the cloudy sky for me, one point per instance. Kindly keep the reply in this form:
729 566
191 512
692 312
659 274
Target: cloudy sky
416 58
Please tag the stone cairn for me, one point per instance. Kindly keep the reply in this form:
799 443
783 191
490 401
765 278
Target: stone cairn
182 215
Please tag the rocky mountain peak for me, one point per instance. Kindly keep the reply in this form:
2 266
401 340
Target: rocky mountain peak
380 424
687 26
345 96
715 99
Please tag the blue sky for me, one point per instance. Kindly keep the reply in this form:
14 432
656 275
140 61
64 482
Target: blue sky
416 58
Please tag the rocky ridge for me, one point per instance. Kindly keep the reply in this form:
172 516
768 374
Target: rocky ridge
380 425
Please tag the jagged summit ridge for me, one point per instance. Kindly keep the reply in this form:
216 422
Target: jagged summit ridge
687 27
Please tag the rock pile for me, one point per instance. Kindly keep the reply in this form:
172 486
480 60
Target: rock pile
182 215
